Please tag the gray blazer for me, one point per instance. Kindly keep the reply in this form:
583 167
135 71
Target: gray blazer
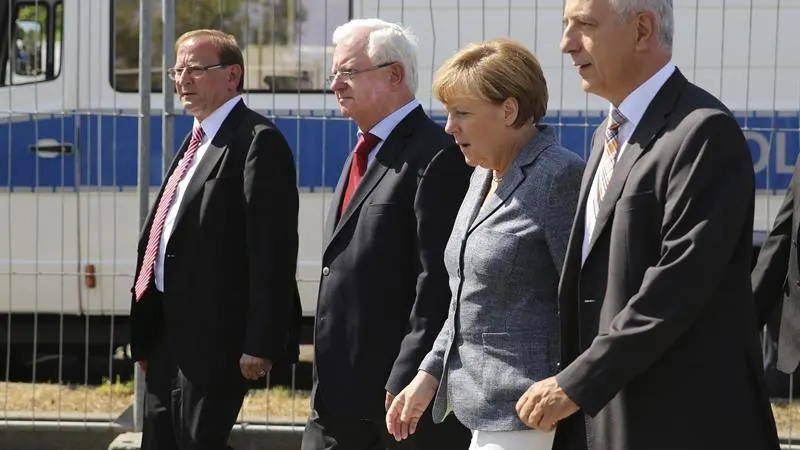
504 262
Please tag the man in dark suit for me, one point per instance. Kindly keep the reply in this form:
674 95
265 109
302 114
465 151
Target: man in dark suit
215 300
659 346
383 294
776 280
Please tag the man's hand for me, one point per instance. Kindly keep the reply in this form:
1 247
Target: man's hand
253 367
403 415
544 404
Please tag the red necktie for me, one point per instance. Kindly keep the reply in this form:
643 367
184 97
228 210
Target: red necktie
146 272
366 142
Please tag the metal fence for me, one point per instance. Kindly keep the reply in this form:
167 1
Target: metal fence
85 148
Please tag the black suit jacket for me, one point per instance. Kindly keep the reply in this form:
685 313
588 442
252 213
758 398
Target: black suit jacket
229 275
776 277
660 347
384 293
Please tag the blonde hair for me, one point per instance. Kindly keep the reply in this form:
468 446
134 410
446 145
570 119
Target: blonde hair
227 48
494 71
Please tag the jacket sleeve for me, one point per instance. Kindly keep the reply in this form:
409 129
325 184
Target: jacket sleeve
271 209
772 267
438 198
709 195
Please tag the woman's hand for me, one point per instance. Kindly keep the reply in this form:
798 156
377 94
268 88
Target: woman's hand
407 407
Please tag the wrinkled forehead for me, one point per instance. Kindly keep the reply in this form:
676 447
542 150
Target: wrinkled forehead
351 51
582 9
197 52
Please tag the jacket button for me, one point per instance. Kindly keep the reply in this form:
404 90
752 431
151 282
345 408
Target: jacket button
326 271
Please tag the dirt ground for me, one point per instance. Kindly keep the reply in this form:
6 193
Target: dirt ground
110 400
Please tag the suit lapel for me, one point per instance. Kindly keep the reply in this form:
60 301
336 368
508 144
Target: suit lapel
336 202
516 174
510 182
653 121
474 198
372 176
387 154
216 149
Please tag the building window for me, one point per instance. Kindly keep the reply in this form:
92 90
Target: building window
35 51
286 43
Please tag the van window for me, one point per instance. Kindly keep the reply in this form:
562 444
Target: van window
286 43
35 51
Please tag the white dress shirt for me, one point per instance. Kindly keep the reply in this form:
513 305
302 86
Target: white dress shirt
633 108
385 127
210 126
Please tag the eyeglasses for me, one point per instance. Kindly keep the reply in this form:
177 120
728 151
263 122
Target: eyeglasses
348 75
193 71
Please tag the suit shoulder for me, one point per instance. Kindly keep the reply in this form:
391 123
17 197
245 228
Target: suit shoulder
257 120
699 104
564 157
557 160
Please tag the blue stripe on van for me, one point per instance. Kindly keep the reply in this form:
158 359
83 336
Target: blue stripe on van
108 148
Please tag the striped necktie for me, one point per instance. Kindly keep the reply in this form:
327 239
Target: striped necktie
154 239
610 154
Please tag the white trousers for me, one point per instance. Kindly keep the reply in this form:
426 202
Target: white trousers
512 440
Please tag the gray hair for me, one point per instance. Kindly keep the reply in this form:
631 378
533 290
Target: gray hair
662 9
387 42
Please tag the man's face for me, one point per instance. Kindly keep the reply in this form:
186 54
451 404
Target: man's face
360 97
602 47
203 91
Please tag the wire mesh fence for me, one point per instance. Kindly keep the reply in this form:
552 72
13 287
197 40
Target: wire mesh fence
69 163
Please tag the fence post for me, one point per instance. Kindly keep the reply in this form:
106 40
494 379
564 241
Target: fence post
168 59
143 181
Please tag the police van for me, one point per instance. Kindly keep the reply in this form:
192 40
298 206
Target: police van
69 125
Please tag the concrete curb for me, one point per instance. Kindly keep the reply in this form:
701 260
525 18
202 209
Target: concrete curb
104 435
242 438
63 435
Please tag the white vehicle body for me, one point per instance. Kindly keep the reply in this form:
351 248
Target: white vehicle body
67 211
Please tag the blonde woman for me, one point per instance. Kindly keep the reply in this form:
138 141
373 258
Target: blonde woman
505 252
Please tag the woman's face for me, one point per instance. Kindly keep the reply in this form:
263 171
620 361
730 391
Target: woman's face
479 128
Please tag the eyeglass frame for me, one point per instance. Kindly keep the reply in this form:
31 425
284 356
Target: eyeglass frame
173 75
349 74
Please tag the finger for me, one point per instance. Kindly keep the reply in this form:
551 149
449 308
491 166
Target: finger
536 415
393 416
412 426
521 402
526 410
408 416
548 421
547 426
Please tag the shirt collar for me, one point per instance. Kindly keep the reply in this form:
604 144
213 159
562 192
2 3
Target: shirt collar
636 103
213 122
385 127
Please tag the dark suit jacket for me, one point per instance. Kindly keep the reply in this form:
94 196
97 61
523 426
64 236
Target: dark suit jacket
229 275
776 277
383 294
660 347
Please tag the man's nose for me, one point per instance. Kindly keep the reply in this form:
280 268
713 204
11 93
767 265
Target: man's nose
568 42
338 83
